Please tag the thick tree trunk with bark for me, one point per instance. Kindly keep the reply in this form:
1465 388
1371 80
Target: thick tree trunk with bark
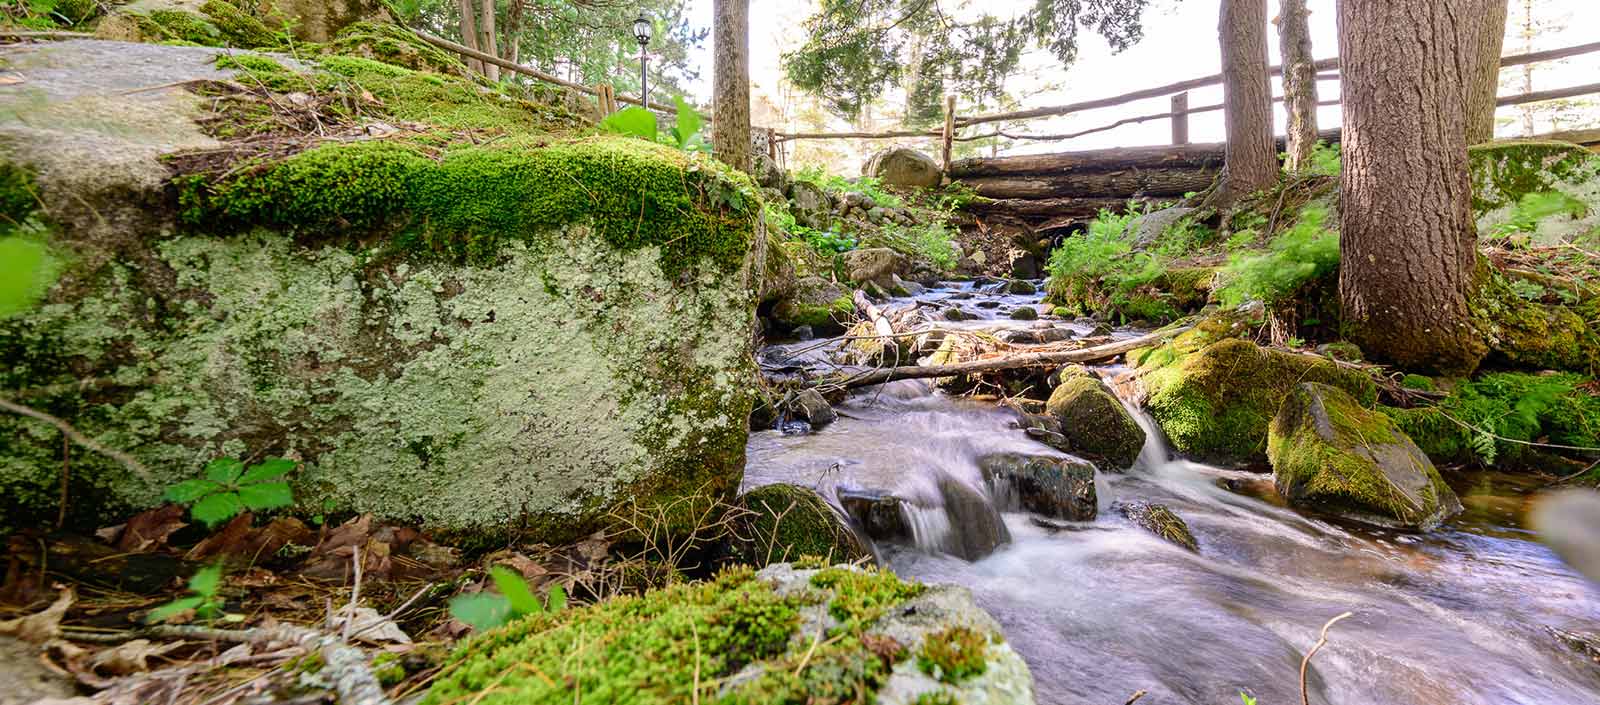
490 41
730 106
1252 164
469 33
1490 24
1408 246
1299 82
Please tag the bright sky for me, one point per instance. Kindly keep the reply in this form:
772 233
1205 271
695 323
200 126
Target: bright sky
1180 42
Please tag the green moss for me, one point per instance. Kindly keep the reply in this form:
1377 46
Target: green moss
1093 420
820 316
1418 382
954 654
1503 172
656 647
861 596
266 70
788 521
1216 403
389 669
468 203
1190 286
937 697
1532 335
439 100
180 25
240 28
395 45
1328 451
19 196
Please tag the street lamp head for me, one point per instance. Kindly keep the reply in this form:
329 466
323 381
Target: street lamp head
642 28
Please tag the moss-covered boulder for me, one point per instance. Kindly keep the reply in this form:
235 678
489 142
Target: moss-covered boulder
1330 453
1094 421
471 336
783 522
783 635
392 44
1216 402
320 20
1528 334
818 303
203 22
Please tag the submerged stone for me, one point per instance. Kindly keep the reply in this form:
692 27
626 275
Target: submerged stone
1159 520
1094 421
1330 453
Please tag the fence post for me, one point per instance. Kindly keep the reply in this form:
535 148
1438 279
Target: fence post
1180 118
949 130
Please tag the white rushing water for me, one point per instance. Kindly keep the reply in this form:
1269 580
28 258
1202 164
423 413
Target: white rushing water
1455 616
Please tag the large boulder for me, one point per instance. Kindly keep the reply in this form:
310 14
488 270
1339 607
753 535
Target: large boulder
1094 421
822 305
783 635
460 337
1215 400
783 522
902 167
876 264
1330 453
205 22
810 204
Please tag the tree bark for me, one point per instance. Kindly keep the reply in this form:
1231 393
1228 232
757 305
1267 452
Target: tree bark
1299 83
730 129
1408 245
1485 87
469 33
490 41
1252 164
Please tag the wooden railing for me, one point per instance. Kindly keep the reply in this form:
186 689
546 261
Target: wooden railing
1178 112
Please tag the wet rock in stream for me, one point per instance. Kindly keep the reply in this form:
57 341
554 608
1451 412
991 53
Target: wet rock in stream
1159 520
1093 420
966 524
1061 488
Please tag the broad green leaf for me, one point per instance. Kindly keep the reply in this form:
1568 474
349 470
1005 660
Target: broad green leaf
688 125
558 599
269 469
204 582
216 508
224 471
191 490
27 269
632 120
166 611
516 591
266 495
481 610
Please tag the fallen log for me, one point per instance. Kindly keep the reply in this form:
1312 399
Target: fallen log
1166 156
1047 207
1122 183
880 322
1010 362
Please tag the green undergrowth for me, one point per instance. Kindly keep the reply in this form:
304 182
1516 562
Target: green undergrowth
686 643
28 264
1557 408
51 14
1102 272
1307 250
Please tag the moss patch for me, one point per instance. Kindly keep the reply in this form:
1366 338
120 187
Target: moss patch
1505 171
789 521
955 654
395 45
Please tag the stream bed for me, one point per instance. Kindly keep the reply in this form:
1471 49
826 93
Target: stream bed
1103 609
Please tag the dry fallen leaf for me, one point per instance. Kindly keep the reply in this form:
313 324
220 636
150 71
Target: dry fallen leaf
43 626
366 625
130 657
147 531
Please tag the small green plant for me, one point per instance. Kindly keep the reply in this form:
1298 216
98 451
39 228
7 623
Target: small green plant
955 654
1246 698
635 121
869 186
1304 252
203 587
932 241
1530 210
486 610
1325 159
827 242
228 488
1099 272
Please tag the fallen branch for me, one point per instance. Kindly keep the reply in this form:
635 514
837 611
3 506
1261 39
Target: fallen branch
77 437
1305 664
1012 362
347 665
880 322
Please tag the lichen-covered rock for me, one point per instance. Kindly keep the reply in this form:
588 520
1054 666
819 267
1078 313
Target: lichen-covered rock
1215 400
468 338
1061 488
810 204
785 522
875 264
321 20
1330 453
818 303
1094 421
903 167
783 635
1158 519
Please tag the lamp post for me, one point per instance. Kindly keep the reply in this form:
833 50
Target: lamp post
641 32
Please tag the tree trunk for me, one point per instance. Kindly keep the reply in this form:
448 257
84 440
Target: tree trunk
1408 246
730 105
1527 69
469 33
1299 83
486 28
1490 23
1252 164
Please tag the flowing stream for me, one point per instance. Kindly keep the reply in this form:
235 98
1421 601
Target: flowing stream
1103 609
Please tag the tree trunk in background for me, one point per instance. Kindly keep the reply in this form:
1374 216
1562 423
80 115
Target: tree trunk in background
730 86
1491 25
469 33
486 28
1252 163
1527 69
1299 83
1408 245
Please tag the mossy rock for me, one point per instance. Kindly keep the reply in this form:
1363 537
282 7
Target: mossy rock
785 522
1060 488
1094 421
1505 171
784 635
1216 402
1531 335
816 302
1190 287
1160 520
395 45
1330 453
202 22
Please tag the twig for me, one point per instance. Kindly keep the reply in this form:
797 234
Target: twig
1305 664
77 437
390 617
1135 697
66 476
355 592
694 696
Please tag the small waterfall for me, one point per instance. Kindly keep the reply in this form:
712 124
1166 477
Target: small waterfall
1125 384
930 527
